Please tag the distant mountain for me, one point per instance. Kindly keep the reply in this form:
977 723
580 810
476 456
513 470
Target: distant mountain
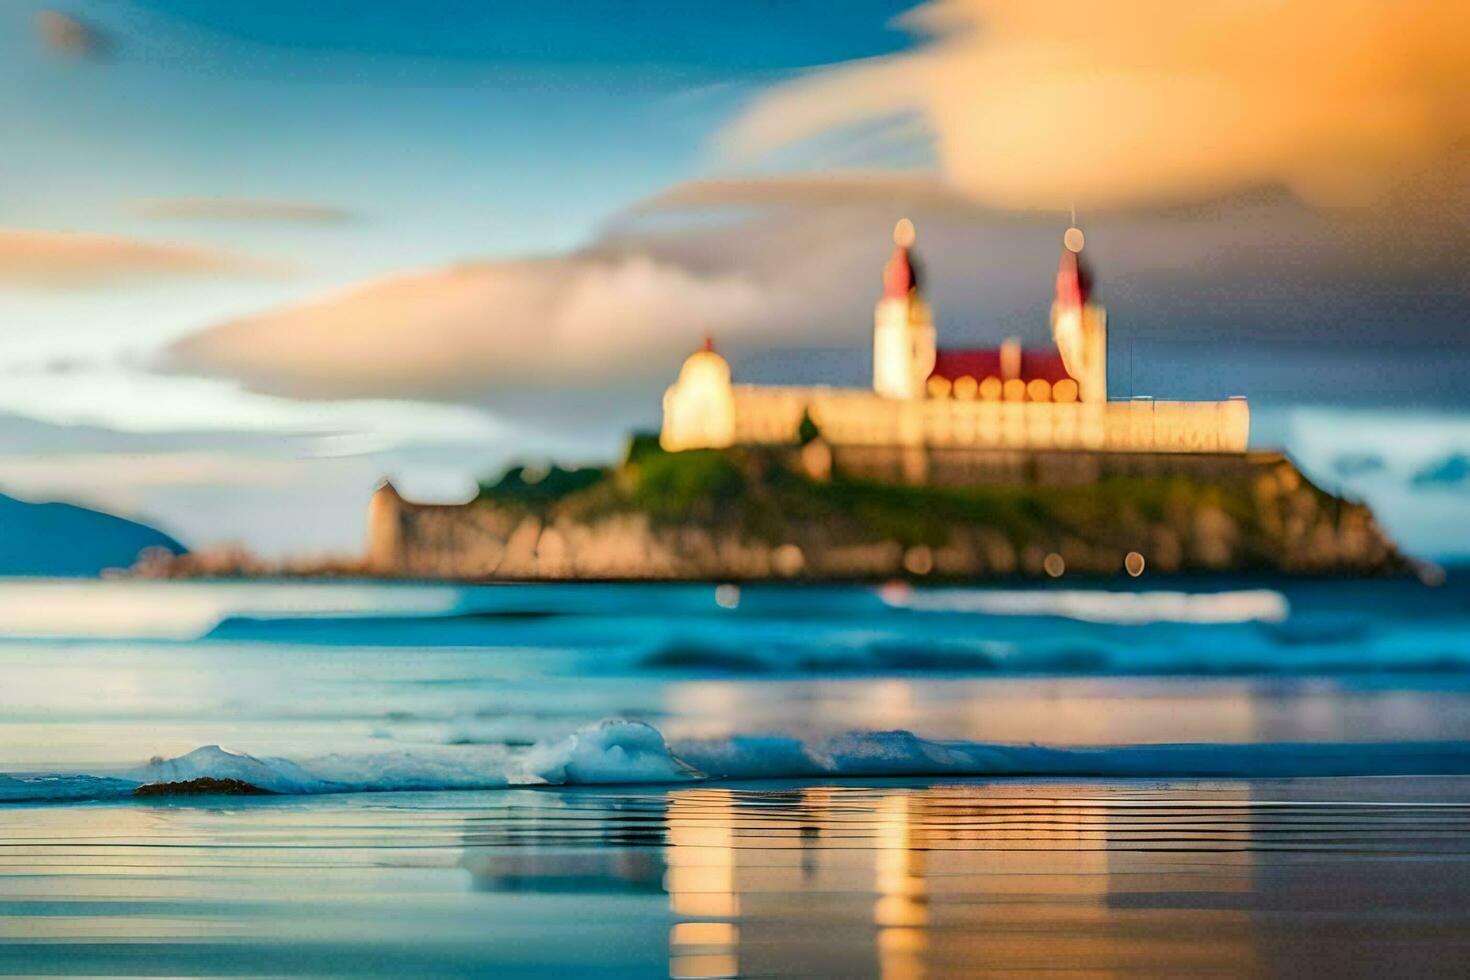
66 540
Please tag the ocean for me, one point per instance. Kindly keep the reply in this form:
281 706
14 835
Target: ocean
1241 776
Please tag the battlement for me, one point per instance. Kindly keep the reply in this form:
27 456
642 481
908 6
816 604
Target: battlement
853 417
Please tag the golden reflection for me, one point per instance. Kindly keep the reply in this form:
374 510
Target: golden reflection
704 934
701 884
928 881
698 965
902 910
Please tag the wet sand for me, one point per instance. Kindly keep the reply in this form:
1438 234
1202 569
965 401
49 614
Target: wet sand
1361 876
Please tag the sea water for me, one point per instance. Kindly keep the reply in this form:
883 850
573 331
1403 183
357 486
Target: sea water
312 688
705 781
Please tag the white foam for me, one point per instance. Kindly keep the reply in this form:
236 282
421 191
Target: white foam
609 752
213 761
613 751
1096 606
626 752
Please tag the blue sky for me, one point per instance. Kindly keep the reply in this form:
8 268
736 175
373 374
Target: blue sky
616 178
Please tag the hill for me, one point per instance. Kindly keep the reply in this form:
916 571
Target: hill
803 513
64 540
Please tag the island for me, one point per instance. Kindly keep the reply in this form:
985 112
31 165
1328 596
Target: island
955 465
748 513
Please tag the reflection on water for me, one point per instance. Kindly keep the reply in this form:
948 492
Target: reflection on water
1358 876
904 882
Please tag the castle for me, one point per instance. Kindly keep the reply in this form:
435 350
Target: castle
928 398
985 420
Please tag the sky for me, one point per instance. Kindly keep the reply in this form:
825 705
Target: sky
256 257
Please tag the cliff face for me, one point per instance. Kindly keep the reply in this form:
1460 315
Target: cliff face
746 514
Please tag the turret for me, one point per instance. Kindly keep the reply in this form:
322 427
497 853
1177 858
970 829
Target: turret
1078 325
699 407
903 327
385 530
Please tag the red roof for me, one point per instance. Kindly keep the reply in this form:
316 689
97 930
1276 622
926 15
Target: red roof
981 364
898 274
1074 282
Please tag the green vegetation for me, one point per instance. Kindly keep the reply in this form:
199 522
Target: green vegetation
701 483
807 431
736 511
757 493
537 488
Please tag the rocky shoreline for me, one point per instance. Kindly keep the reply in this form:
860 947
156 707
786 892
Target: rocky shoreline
788 514
749 515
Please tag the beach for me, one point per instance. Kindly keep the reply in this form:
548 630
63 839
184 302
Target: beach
1237 778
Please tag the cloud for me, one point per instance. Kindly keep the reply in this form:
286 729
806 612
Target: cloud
840 188
240 209
1351 465
296 479
1419 490
775 266
553 324
34 257
67 35
1177 130
1043 103
1452 470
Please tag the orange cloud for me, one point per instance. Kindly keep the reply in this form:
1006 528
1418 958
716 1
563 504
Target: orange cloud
33 257
1043 103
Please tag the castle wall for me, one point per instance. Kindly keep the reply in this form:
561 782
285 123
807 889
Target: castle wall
853 417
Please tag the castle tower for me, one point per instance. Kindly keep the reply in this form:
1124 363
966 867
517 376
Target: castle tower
699 407
903 327
385 530
1078 325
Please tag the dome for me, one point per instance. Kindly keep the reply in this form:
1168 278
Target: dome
705 366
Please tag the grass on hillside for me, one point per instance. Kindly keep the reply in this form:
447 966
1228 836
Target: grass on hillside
750 491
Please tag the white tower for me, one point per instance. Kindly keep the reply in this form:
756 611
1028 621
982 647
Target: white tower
903 327
1079 326
699 408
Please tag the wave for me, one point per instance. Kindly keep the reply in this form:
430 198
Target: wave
628 752
1242 651
446 614
1099 605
